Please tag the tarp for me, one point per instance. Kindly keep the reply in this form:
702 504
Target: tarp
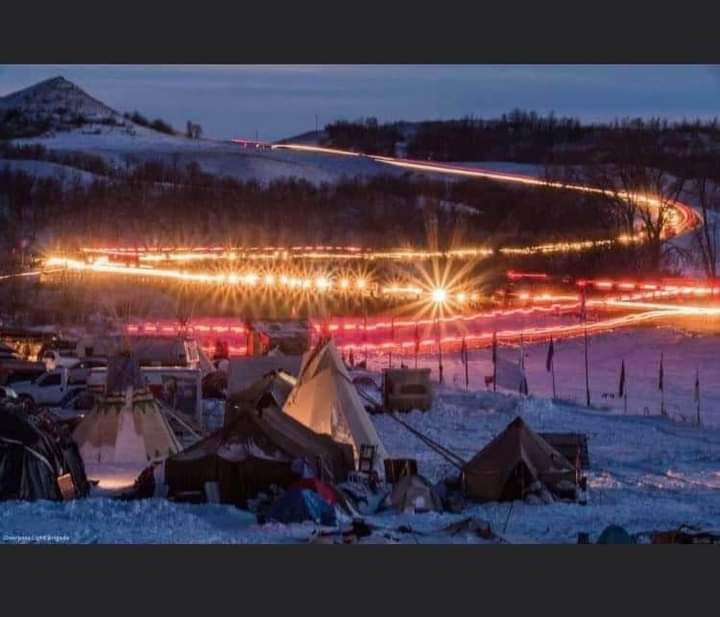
296 506
271 389
254 452
512 462
245 372
325 400
32 460
321 488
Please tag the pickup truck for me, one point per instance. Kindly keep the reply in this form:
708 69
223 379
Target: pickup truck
48 389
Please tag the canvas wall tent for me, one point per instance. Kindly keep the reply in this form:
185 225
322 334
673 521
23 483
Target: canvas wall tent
256 451
511 463
36 463
326 400
126 425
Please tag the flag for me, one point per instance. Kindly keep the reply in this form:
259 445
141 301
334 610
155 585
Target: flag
697 386
621 387
583 307
550 354
417 339
660 373
494 348
511 376
524 385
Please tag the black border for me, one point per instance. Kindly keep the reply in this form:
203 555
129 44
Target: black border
438 579
312 32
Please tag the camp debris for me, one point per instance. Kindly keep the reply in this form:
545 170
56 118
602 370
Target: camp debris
38 461
126 425
519 464
685 534
258 450
325 400
471 525
299 505
414 494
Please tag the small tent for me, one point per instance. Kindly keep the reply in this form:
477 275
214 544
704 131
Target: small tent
126 425
259 449
326 400
298 505
37 463
512 463
413 493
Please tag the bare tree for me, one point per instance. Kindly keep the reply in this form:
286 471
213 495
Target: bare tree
707 194
637 182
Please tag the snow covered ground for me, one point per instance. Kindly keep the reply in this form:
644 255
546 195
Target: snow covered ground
683 353
216 157
45 169
646 472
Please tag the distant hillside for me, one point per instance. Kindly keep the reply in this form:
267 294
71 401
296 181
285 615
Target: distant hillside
57 105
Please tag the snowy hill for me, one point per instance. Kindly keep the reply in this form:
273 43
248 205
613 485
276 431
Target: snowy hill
59 99
57 105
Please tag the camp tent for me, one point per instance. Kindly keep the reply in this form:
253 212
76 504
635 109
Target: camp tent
512 463
259 449
325 400
271 389
413 493
37 463
126 425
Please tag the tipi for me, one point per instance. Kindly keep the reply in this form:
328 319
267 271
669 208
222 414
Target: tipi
326 400
126 425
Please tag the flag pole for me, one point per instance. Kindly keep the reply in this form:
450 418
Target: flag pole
439 343
465 360
494 361
661 385
625 395
587 367
697 395
552 369
417 343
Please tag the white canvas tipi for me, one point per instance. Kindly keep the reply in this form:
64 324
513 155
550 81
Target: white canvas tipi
126 426
325 400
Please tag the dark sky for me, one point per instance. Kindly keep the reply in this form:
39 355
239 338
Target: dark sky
281 101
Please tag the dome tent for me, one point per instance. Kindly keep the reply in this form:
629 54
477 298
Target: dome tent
326 400
413 493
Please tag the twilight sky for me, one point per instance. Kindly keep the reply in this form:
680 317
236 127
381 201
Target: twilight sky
281 101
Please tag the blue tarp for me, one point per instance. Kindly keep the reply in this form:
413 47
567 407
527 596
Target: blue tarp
296 506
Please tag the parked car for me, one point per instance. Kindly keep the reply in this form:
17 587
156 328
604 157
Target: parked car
76 402
49 388
59 358
7 393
